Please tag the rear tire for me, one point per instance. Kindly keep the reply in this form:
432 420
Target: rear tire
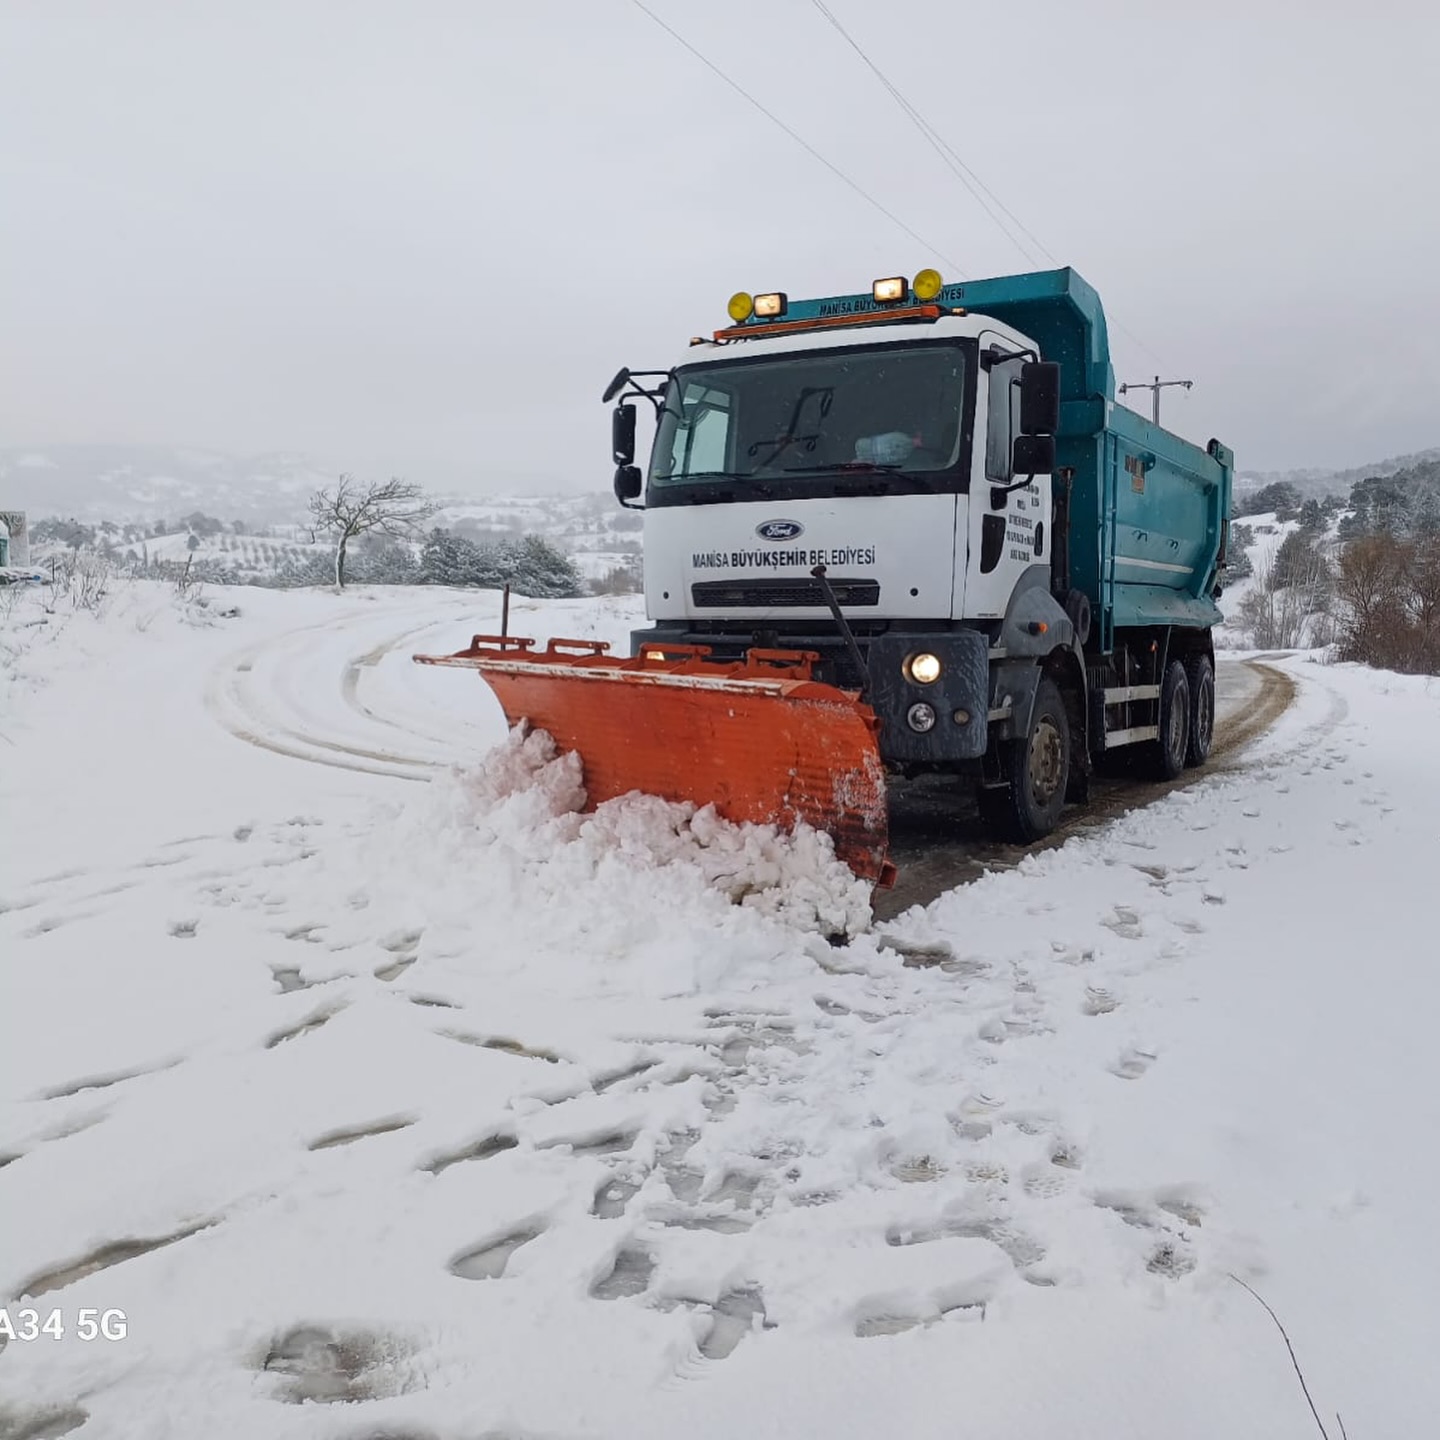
1038 770
1200 673
1170 750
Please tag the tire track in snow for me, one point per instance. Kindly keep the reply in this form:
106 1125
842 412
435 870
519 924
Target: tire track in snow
251 696
938 842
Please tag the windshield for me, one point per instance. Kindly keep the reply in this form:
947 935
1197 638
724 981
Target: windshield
784 426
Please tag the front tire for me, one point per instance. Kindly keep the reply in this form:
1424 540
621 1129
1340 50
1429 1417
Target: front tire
1200 674
1173 745
1037 768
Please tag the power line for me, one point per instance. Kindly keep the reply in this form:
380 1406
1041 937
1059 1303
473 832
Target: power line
962 172
800 140
960 169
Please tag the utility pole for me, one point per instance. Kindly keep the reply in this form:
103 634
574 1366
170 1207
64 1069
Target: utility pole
1156 385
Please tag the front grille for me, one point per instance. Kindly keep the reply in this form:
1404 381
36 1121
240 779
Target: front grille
769 594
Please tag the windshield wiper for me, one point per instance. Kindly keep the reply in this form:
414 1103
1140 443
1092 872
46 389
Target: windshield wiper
752 486
844 467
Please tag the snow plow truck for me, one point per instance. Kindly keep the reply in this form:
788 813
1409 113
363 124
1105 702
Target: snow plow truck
896 531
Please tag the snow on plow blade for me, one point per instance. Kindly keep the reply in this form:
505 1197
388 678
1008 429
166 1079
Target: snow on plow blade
759 739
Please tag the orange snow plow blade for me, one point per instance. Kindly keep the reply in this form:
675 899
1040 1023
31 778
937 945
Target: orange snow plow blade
759 739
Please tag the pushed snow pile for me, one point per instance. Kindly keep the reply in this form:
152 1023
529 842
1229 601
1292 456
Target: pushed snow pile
525 802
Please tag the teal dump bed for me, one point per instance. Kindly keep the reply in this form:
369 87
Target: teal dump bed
1147 509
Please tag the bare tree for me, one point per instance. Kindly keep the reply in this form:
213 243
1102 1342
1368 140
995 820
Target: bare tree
393 507
1288 604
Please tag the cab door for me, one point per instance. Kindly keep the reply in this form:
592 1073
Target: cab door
1007 528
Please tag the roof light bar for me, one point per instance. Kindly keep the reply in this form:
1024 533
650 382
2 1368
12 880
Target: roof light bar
836 322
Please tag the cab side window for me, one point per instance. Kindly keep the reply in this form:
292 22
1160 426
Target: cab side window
709 430
1003 421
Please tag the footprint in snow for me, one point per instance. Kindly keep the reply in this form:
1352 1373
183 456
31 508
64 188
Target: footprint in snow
1099 1001
1021 1249
1066 1155
612 1198
629 1274
1044 1182
348 1136
312 1022
47 1424
495 1143
889 1323
736 1314
1125 922
116 1252
289 979
1132 1063
490 1260
326 1367
918 1170
404 946
1170 1260
307 932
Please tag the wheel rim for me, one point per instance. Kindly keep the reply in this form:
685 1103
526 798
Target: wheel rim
1205 715
1047 761
1175 733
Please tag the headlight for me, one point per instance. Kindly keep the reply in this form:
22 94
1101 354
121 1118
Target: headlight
922 669
920 717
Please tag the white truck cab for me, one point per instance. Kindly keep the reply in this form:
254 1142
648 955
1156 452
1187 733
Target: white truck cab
862 452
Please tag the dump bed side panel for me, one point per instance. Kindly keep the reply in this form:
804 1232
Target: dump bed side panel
1161 526
1147 509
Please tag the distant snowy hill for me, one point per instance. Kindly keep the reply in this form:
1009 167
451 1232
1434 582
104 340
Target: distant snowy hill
1319 483
143 504
133 483
156 482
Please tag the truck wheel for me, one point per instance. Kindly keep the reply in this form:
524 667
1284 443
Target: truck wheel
1200 674
1038 769
1174 742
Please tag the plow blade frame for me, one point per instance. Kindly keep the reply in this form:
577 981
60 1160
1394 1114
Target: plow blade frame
758 739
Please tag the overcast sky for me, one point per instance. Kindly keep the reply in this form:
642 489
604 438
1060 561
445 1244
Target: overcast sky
418 237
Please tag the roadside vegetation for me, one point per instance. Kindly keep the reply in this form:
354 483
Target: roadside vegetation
1360 575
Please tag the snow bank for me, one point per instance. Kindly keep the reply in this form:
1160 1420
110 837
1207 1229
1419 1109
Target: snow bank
510 835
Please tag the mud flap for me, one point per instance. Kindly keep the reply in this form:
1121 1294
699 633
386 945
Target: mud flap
759 739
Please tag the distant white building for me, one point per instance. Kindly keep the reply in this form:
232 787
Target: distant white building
14 538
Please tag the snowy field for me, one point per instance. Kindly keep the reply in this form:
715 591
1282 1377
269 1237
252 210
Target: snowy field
383 1095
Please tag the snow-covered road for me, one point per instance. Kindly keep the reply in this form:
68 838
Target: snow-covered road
482 1119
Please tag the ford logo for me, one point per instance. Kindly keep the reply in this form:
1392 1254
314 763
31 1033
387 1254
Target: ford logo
780 530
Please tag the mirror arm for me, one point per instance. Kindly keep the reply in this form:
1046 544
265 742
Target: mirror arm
994 355
1012 486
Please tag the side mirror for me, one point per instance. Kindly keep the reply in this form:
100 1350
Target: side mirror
1033 455
1039 398
622 434
615 386
627 484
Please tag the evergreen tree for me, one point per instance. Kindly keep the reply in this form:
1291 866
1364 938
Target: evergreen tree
451 559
